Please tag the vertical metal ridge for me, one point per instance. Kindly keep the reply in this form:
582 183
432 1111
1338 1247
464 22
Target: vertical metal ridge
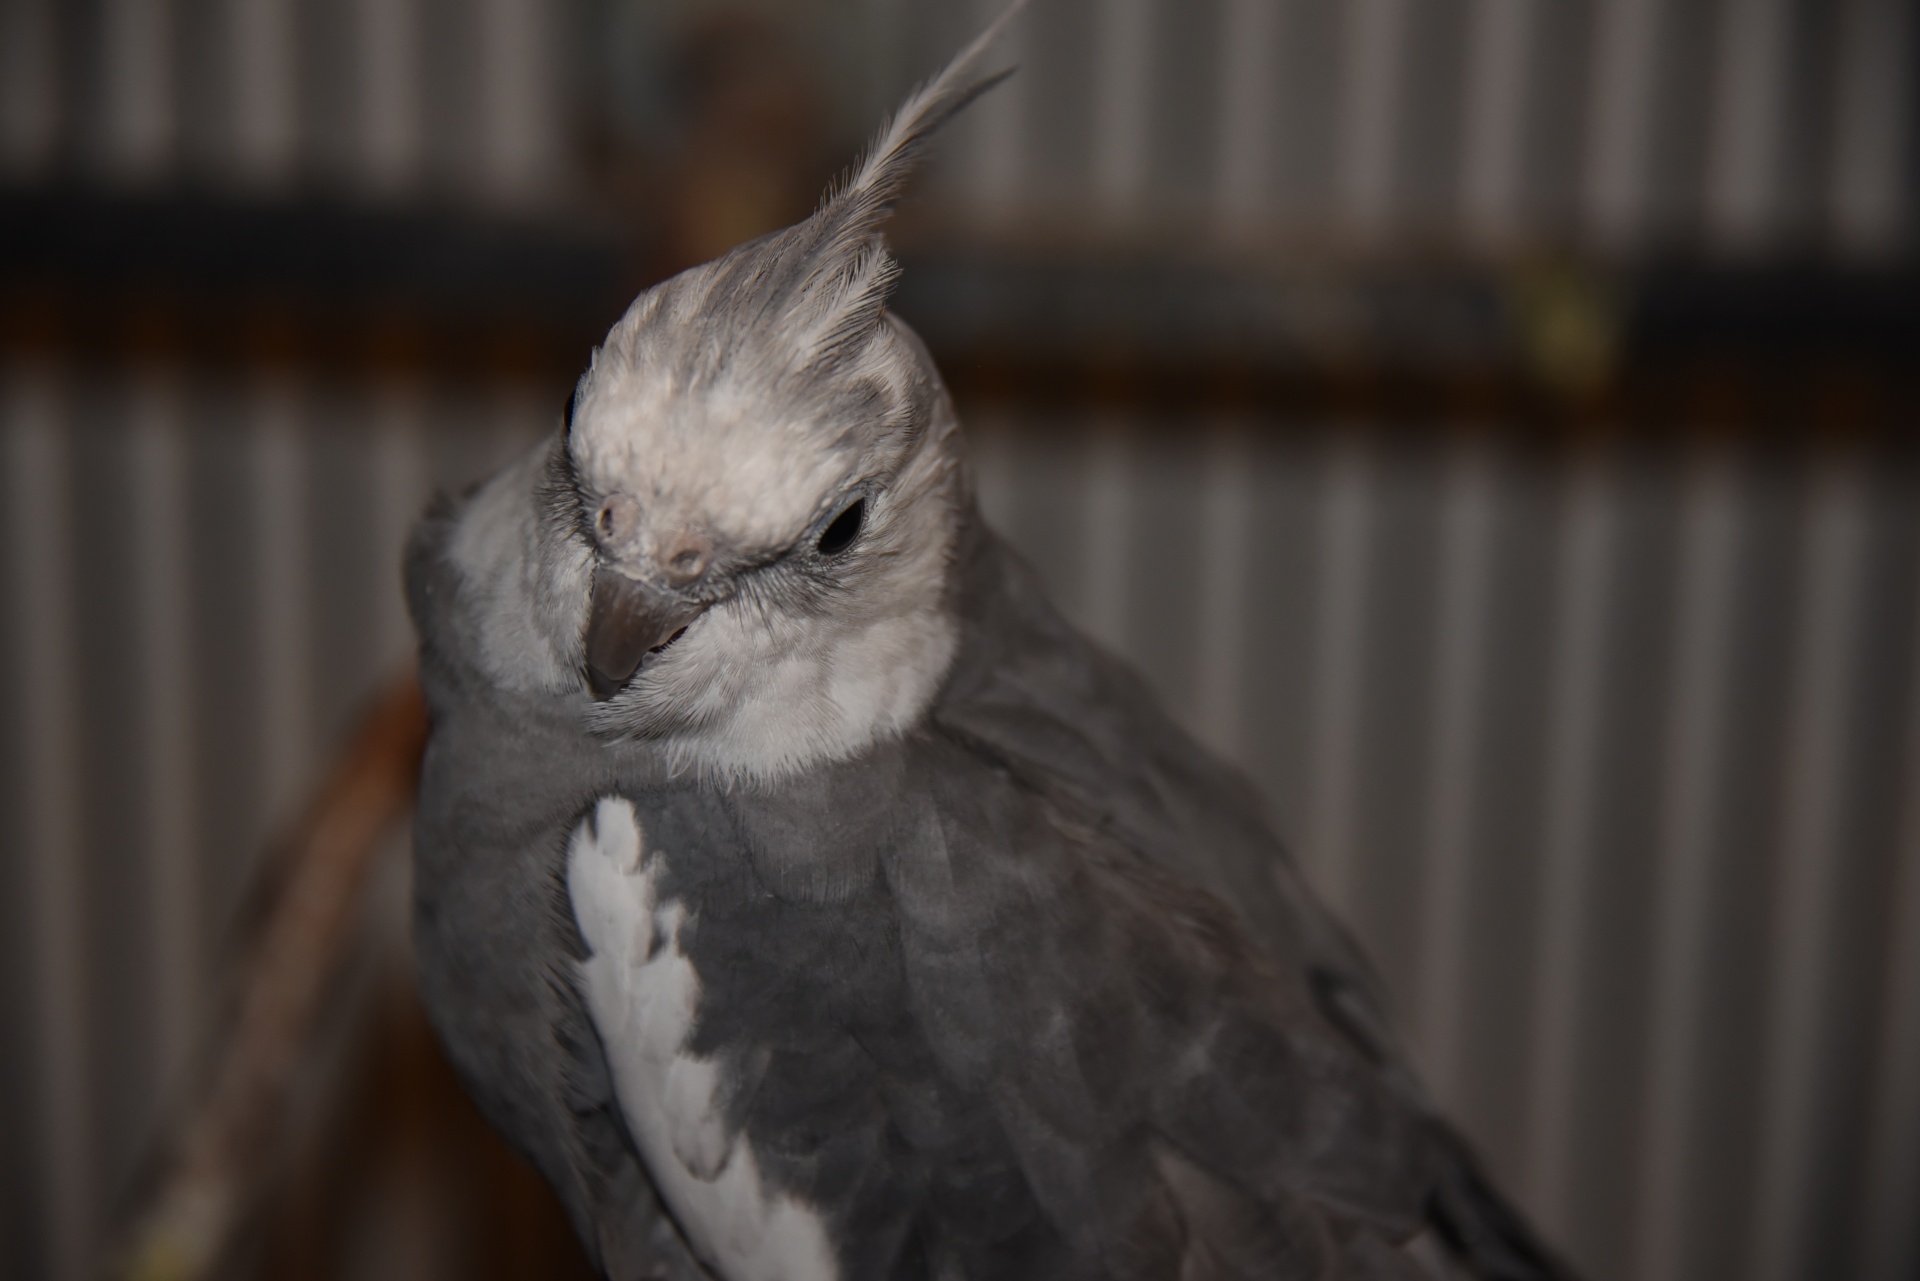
40 536
1575 723
1749 96
282 589
519 113
30 116
1868 204
1368 117
1226 519
1247 35
138 97
1123 54
387 58
998 160
401 487
1496 78
1889 1224
1345 558
990 439
1620 120
163 578
886 26
1703 609
263 119
1465 592
1809 854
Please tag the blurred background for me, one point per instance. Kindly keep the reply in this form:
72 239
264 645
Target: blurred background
1490 422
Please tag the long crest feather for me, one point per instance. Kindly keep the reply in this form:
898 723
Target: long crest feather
884 170
851 273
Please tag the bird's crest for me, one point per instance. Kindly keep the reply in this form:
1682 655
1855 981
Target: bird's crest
798 304
853 273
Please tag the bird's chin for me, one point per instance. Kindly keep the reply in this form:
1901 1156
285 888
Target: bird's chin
652 657
633 693
665 698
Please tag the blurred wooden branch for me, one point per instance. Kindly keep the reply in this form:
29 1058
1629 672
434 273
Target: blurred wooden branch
235 1126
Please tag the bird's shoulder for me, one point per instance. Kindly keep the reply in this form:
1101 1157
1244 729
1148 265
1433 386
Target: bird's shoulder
1155 1066
1184 1043
1078 730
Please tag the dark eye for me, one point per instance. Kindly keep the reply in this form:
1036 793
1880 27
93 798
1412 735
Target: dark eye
838 536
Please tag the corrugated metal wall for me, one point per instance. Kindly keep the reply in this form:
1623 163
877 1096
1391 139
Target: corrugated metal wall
448 99
1621 126
201 588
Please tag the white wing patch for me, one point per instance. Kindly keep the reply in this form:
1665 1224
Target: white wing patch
642 992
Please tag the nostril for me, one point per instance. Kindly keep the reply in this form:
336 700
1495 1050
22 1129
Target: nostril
686 558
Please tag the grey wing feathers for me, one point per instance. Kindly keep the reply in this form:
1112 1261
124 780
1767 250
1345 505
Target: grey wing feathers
1288 1137
1170 1096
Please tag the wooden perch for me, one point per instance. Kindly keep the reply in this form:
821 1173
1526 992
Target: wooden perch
235 1128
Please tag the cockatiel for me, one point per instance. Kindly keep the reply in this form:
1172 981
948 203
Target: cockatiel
807 900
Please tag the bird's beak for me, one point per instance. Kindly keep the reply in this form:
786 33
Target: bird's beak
629 622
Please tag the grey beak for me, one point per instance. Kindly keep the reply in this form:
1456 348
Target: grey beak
628 622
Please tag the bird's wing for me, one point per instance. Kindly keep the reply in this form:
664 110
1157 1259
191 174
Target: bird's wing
1190 1052
1177 1101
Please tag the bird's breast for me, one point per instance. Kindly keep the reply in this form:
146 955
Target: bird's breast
643 994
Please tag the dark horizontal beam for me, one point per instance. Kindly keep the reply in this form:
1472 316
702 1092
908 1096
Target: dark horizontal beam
449 286
319 275
1408 318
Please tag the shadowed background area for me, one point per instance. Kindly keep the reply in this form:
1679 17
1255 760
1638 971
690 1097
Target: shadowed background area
1487 421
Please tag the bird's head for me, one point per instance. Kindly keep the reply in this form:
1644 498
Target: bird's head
769 485
760 487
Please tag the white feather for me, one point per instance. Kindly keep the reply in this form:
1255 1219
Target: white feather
643 994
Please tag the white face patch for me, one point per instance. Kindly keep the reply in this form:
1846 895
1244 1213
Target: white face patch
642 992
768 683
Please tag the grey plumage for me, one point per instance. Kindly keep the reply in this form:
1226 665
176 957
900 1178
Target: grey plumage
932 948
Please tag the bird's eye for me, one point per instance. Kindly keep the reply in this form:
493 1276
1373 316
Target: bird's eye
839 535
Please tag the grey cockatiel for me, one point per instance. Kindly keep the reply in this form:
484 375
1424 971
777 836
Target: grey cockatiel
807 899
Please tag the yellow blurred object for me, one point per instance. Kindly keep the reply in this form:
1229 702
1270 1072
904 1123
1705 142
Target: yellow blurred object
1569 318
